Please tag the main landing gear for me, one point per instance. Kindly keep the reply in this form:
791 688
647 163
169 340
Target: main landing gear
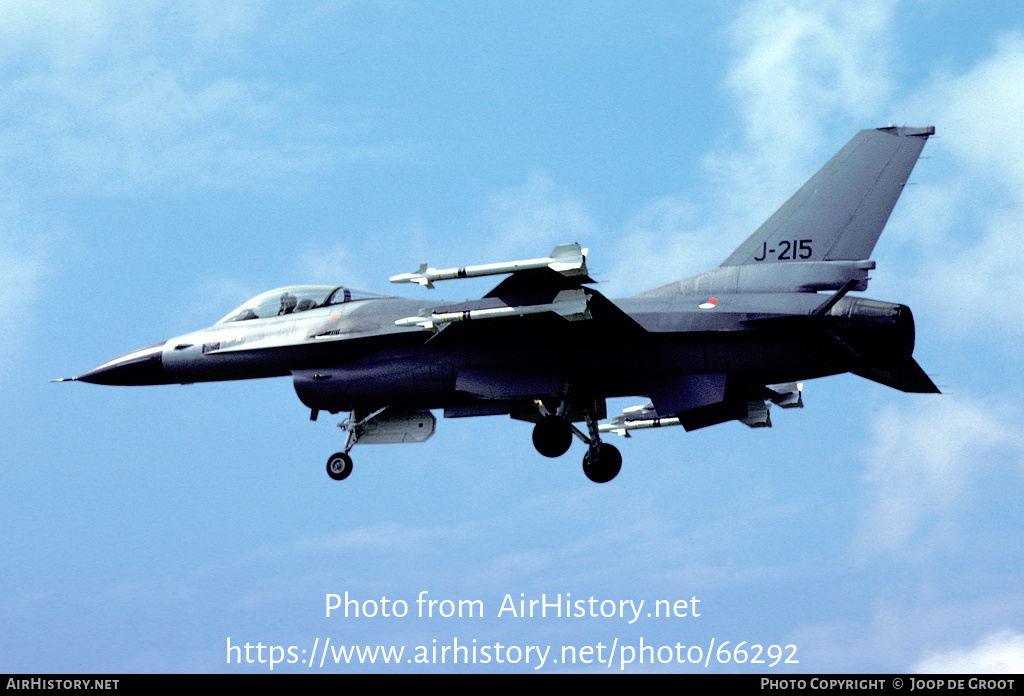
602 463
553 434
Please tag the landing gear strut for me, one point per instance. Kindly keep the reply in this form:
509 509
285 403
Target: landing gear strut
602 461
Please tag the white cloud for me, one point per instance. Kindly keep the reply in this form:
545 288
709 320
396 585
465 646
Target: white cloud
922 459
967 224
110 97
329 263
144 127
801 64
27 261
82 35
1001 652
802 71
384 535
211 300
976 291
531 218
979 111
57 33
665 241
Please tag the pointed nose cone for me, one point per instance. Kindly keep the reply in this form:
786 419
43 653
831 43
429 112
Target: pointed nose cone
140 367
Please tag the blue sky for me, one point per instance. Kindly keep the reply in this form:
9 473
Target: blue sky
162 162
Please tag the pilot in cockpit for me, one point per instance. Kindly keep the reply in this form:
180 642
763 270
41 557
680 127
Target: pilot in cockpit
288 303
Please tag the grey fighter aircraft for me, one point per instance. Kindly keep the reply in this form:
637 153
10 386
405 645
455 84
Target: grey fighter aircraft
545 347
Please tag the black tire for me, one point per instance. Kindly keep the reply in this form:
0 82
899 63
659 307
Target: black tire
605 466
339 466
552 436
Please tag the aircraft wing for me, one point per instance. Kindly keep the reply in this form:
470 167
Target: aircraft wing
536 291
538 299
542 304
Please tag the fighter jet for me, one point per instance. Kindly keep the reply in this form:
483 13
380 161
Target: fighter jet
545 347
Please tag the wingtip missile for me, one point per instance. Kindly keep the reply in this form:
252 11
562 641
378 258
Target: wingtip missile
567 259
421 276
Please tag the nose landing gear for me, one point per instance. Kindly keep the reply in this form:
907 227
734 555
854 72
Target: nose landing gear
339 466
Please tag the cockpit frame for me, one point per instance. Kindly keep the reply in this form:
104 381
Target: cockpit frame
294 299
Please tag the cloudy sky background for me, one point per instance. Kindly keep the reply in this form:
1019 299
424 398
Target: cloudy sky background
161 162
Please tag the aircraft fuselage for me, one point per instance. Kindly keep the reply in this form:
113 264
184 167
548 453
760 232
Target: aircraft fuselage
354 358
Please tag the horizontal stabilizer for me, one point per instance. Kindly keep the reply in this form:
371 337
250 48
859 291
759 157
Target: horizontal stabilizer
903 374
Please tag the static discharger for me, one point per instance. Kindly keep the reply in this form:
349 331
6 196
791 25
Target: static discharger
567 259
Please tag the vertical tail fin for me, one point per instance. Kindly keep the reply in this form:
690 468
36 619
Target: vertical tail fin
839 213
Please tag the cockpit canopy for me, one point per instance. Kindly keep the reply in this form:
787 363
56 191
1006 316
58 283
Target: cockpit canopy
296 298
